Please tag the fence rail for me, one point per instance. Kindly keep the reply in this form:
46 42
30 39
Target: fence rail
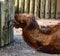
40 8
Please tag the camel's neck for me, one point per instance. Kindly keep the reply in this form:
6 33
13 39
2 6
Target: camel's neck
33 25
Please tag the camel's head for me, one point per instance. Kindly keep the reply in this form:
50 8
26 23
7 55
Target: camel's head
23 20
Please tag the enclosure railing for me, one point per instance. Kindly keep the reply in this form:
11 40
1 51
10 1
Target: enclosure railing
40 8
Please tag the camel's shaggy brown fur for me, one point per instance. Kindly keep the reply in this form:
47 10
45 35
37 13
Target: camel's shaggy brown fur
46 39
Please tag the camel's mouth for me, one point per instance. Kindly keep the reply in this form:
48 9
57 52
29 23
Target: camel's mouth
16 24
19 24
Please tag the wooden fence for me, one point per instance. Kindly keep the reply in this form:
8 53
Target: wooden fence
40 8
6 14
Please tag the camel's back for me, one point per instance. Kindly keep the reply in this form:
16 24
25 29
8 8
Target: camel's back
37 37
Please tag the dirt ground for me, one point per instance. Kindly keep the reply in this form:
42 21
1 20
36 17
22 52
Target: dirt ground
20 48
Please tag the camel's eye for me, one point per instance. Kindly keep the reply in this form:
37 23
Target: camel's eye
21 22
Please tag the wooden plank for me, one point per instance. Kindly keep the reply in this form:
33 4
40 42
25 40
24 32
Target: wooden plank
21 5
2 24
47 7
7 18
58 9
31 6
12 2
52 8
42 9
39 7
15 3
6 33
11 16
55 9
17 7
36 8
6 14
26 10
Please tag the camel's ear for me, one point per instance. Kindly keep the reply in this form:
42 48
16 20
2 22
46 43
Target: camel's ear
31 16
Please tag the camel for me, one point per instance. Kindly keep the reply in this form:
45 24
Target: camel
41 38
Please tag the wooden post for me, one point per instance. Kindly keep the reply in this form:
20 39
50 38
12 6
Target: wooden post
6 14
47 8
52 8
17 7
36 7
12 17
15 3
9 17
26 6
55 8
42 9
2 21
21 6
31 6
0 24
58 9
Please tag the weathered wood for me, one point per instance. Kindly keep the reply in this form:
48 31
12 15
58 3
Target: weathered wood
27 6
47 8
31 6
52 8
42 9
55 9
2 21
6 14
58 9
21 6
17 7
11 16
36 8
